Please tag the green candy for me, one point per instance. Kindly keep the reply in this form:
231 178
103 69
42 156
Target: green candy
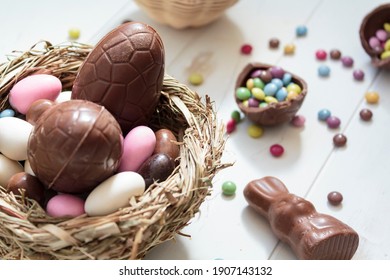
229 188
258 83
236 116
243 93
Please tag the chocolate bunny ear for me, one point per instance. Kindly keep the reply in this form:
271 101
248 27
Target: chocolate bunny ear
261 193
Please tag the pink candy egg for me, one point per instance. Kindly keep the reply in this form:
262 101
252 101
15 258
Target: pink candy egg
63 205
32 88
138 146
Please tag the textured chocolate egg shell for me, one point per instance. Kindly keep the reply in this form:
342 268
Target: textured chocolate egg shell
74 146
32 187
124 73
373 21
274 113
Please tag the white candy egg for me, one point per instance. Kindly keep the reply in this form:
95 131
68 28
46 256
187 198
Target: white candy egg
114 193
64 96
8 168
14 134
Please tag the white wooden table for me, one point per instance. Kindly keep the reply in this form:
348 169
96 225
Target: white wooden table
311 166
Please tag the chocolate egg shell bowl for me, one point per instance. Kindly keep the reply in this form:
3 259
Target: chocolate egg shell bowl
371 24
274 112
161 212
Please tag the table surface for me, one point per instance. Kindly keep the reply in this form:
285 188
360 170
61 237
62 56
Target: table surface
311 166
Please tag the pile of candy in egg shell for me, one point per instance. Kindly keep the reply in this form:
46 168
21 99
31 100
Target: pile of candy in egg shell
380 42
145 153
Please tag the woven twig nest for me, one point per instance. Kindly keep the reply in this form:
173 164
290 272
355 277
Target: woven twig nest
185 13
275 113
372 22
26 232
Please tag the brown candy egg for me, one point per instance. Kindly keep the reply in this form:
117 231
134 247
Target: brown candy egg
32 187
166 143
124 73
74 146
158 167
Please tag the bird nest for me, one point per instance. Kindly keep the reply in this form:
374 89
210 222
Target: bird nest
27 232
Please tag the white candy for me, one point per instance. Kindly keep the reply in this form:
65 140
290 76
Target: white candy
14 134
8 168
114 193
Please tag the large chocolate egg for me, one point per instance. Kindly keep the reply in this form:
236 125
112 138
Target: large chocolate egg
124 73
74 146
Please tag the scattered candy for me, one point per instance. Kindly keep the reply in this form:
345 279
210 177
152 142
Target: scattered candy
289 49
230 126
255 131
335 54
236 116
323 70
298 121
372 97
358 75
333 122
274 43
339 140
335 198
74 33
323 114
229 188
301 30
347 61
321 54
195 79
7 113
276 150
365 114
246 49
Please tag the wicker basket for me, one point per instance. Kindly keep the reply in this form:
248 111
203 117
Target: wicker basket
185 13
26 232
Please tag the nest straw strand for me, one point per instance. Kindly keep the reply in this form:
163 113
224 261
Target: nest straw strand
26 232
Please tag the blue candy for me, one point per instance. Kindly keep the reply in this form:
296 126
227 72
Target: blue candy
323 114
270 89
301 30
7 113
287 78
277 82
323 71
281 94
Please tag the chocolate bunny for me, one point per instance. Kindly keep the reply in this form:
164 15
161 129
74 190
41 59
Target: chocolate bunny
294 220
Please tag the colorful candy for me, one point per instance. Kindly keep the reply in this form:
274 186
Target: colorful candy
255 131
347 61
274 43
289 49
301 30
229 188
323 114
372 97
333 122
335 198
365 114
321 54
339 140
74 33
276 150
195 79
323 70
298 121
335 54
246 49
358 75
7 113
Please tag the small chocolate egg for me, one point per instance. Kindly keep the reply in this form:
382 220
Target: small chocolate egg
74 146
124 73
114 193
156 168
65 205
166 143
8 168
37 108
30 184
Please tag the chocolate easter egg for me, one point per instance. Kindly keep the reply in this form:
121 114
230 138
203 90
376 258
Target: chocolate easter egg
124 73
74 146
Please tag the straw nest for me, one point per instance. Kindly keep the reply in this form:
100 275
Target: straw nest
185 13
26 232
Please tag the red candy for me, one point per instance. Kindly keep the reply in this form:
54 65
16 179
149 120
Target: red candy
230 126
246 49
321 55
276 150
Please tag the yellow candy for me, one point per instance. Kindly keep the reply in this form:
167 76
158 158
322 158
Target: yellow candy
385 55
195 79
270 99
291 95
387 45
255 131
386 26
258 93
249 84
372 97
74 33
245 103
289 49
294 87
